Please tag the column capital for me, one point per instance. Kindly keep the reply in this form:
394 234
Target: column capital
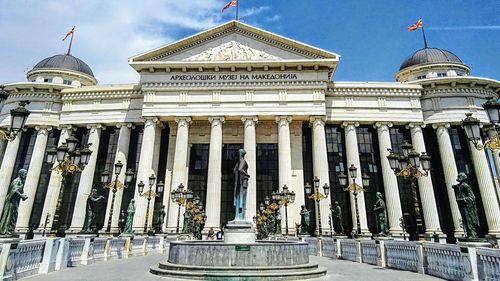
383 125
350 125
94 127
128 125
249 120
150 121
43 130
436 126
183 121
66 127
216 120
415 125
317 121
283 120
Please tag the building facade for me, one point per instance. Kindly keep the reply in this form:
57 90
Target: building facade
235 86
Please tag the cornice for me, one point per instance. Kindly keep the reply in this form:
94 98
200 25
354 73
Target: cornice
374 91
226 85
457 91
102 95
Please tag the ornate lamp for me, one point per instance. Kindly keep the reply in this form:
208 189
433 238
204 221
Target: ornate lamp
471 126
85 153
393 160
492 108
140 187
160 186
62 152
366 180
129 176
308 188
342 179
413 156
18 118
425 161
71 141
353 171
266 200
406 148
152 180
105 177
118 167
326 189
51 155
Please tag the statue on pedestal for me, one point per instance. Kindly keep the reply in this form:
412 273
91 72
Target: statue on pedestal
91 202
130 217
466 201
161 218
240 186
338 226
305 220
381 215
11 205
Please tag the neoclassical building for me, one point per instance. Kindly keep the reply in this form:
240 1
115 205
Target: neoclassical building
234 86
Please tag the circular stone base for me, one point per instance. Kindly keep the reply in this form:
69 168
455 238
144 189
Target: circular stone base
262 260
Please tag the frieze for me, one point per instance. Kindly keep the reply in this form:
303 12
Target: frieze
226 85
231 51
373 92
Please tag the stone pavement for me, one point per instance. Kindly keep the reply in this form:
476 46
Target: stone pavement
137 268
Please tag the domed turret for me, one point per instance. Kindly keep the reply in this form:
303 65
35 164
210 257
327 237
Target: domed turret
62 69
431 63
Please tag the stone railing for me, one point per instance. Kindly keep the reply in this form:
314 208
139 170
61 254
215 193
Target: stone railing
24 258
403 255
312 247
349 250
488 264
445 261
369 252
328 247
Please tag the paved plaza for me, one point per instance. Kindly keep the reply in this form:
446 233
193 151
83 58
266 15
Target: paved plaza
136 268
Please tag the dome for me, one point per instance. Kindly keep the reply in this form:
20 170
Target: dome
65 62
430 55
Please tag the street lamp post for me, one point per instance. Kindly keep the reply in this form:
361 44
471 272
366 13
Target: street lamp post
472 127
69 160
408 166
105 176
284 197
317 197
355 189
150 194
180 196
18 117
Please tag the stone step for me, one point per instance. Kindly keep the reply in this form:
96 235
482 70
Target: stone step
303 267
232 275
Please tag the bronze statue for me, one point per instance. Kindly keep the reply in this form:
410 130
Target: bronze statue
11 205
161 218
240 186
466 201
381 215
338 226
91 202
130 217
305 220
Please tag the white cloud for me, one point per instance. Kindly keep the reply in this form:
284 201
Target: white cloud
107 32
469 27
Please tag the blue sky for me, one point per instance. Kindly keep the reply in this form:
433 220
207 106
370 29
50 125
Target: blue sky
370 36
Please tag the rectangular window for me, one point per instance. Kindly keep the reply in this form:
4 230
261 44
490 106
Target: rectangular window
67 82
267 170
442 74
198 170
421 77
47 80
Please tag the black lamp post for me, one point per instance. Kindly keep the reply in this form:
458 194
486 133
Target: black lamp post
284 197
472 126
355 189
105 177
180 196
408 166
149 195
18 117
69 159
317 197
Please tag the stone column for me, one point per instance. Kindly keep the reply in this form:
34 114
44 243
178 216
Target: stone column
284 158
352 155
297 176
425 188
3 146
393 202
144 171
7 168
121 154
487 189
31 184
170 206
86 180
496 158
250 146
320 166
214 178
180 162
53 189
450 172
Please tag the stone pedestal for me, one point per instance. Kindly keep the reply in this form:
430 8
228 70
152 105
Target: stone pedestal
239 232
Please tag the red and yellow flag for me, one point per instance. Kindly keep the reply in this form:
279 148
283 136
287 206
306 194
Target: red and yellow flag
231 3
71 32
416 25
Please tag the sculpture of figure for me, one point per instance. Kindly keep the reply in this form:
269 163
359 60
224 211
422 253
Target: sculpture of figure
240 186
11 205
187 223
381 215
305 220
121 221
161 218
130 216
466 201
277 221
338 226
91 202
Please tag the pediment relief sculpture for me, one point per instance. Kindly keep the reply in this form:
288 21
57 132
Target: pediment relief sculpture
231 51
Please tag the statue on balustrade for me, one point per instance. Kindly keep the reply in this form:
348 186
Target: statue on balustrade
338 226
466 201
11 205
305 220
92 201
130 217
381 215
161 219
241 177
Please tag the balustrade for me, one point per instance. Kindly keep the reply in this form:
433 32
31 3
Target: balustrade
349 249
445 261
369 252
402 255
488 264
75 251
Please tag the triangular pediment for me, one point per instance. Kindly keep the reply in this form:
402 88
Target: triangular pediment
234 41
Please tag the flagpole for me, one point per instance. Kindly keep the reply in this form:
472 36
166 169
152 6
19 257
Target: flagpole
70 43
237 9
423 34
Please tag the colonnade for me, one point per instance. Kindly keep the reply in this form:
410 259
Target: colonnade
177 170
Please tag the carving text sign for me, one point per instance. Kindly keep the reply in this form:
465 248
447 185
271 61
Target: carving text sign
234 77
